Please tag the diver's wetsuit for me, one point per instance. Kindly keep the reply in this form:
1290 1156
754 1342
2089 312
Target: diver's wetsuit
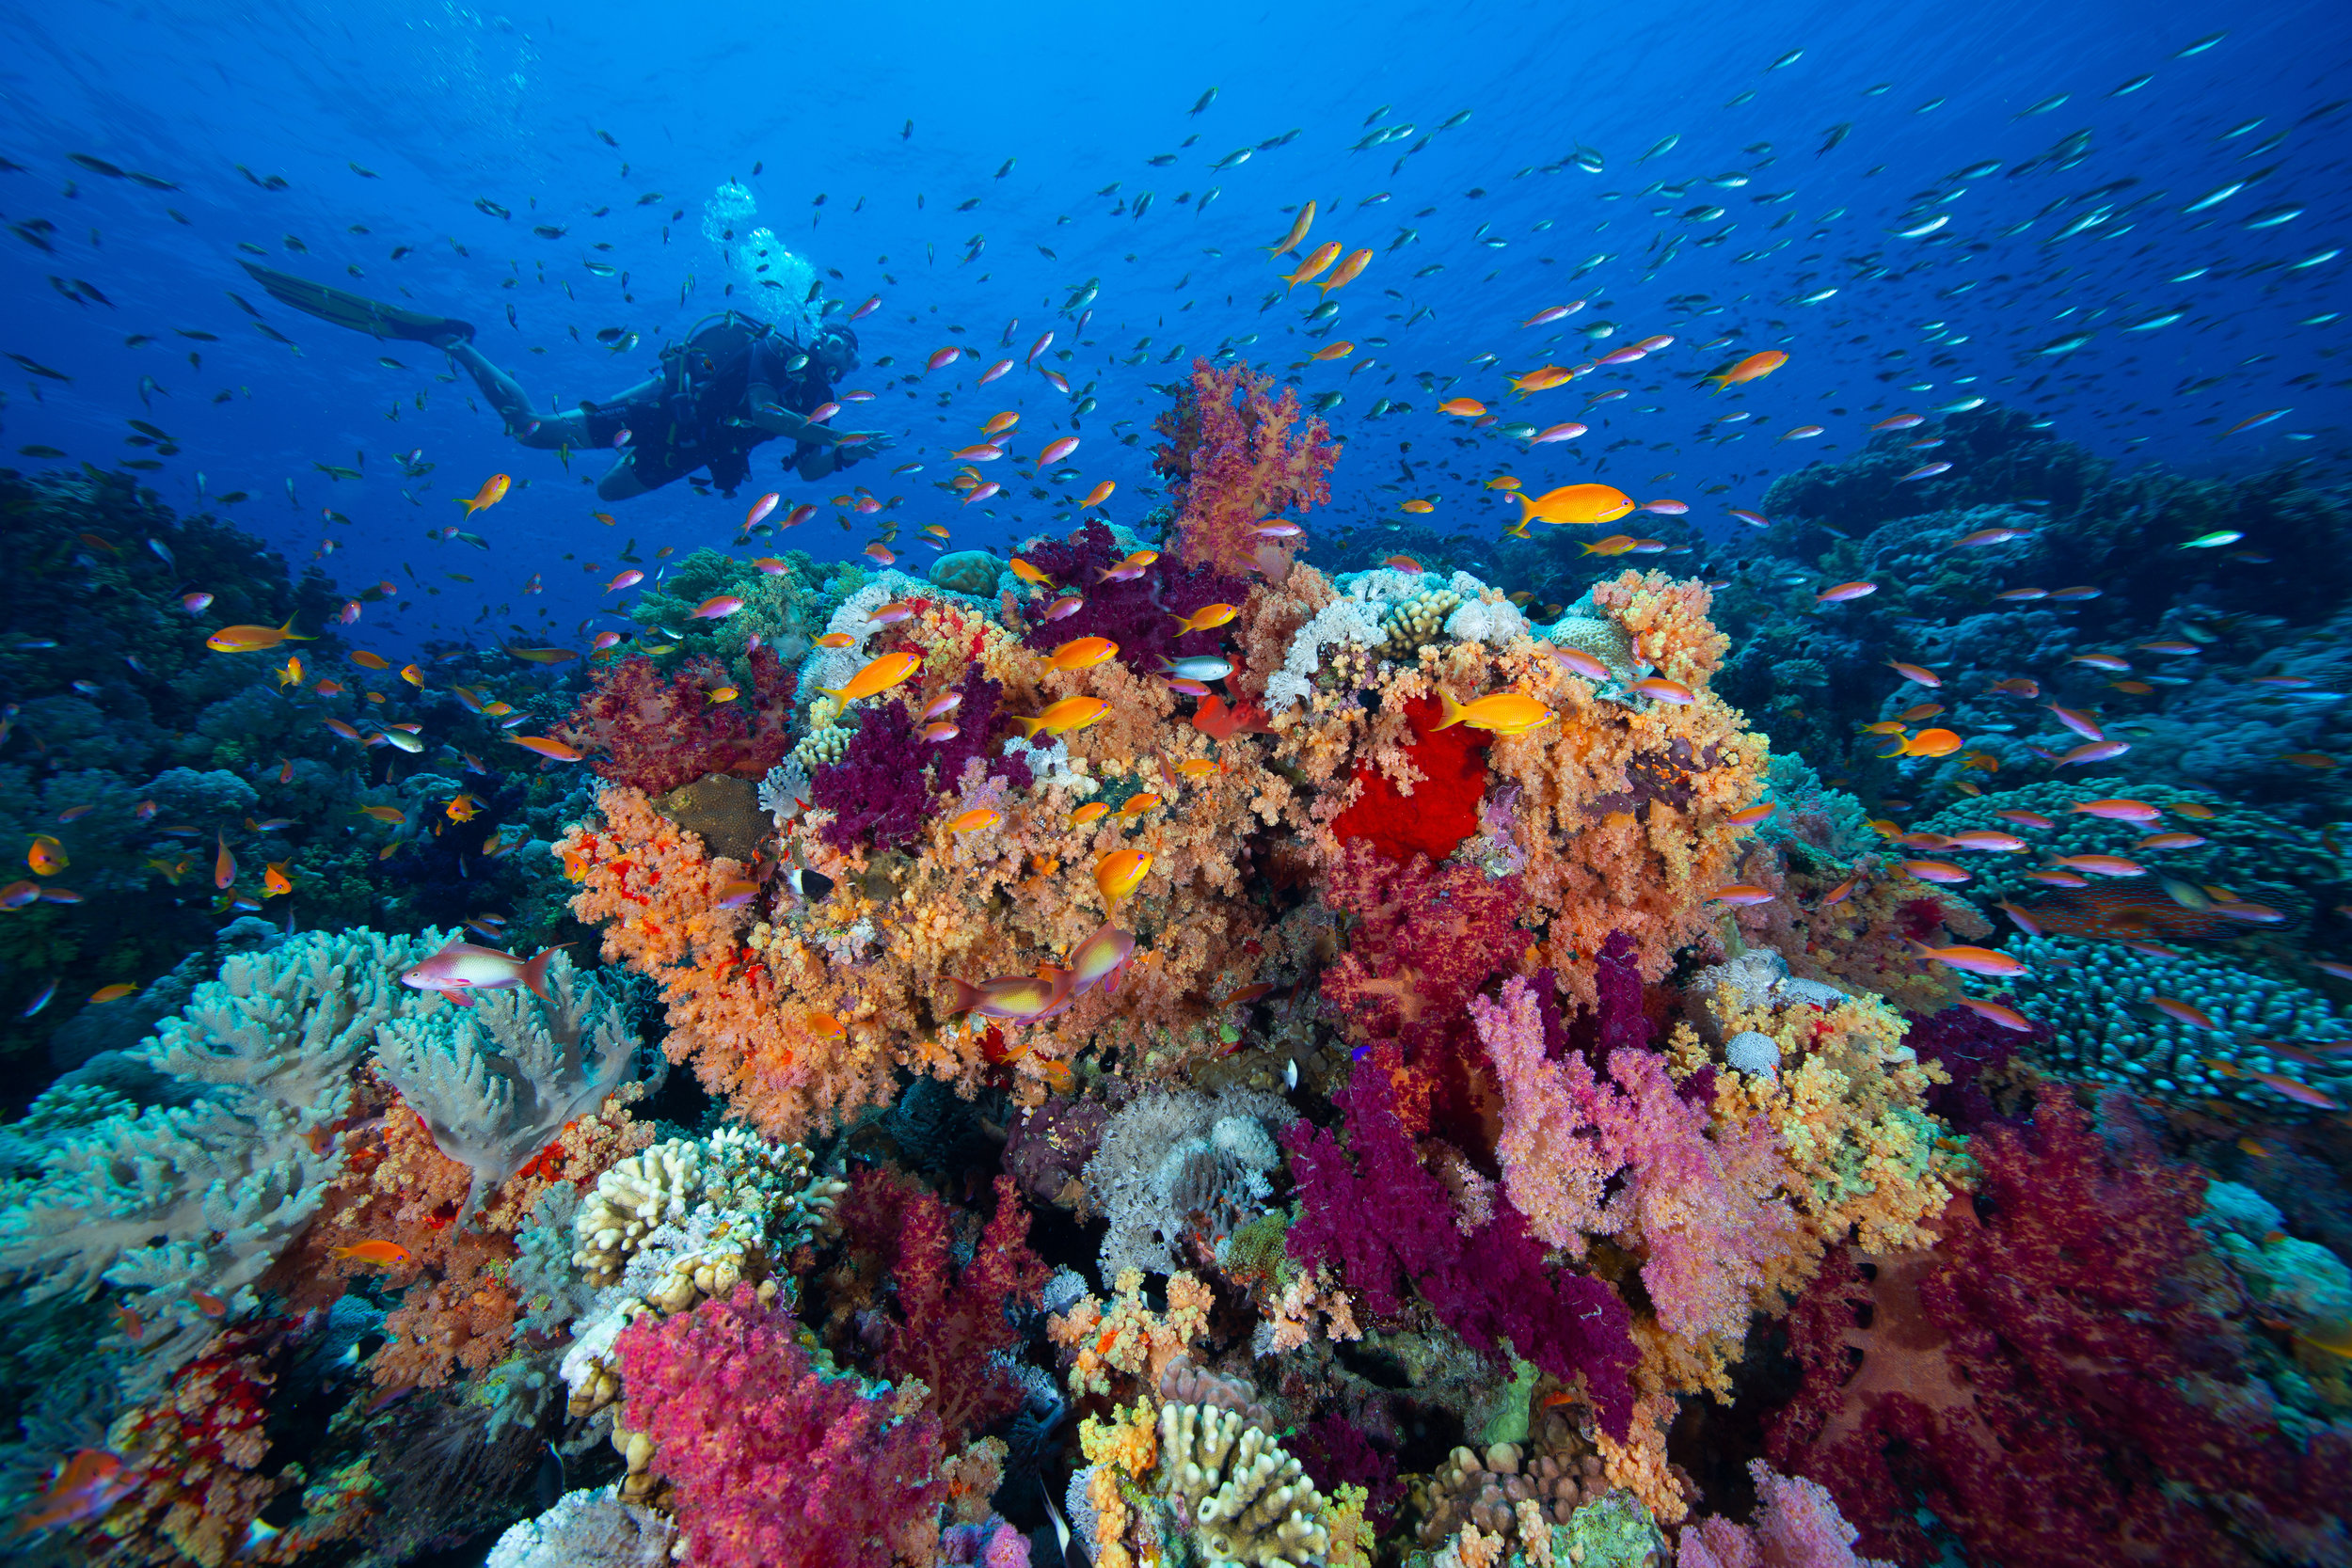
732 384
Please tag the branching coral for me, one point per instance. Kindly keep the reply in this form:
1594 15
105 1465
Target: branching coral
1235 457
1244 1499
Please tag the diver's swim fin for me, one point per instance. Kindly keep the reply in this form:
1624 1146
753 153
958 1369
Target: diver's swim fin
357 311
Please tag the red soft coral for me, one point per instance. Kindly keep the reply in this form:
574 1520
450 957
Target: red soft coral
773 1462
1441 810
950 1325
2047 1381
1235 458
656 734
1427 939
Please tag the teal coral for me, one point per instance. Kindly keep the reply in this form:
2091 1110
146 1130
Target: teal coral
2096 999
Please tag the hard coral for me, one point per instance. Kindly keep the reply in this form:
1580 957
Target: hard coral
775 1461
1236 458
2046 1381
656 734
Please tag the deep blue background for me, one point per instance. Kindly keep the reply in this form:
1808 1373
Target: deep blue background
448 104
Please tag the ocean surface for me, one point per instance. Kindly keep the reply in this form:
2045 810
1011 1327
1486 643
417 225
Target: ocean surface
1552 529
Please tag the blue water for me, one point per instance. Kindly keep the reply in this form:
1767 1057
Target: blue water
448 104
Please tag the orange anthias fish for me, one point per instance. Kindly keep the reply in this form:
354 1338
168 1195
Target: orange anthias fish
554 751
1755 366
1071 713
1616 543
1927 743
1542 379
1291 240
1575 505
1121 872
977 819
878 676
1083 653
225 866
389 1255
89 1483
274 882
1207 618
1348 271
47 857
254 640
492 492
1314 265
1500 712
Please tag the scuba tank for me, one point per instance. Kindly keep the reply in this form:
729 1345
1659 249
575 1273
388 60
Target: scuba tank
714 353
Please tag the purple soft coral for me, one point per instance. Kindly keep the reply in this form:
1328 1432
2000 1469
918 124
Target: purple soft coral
876 791
1375 1213
1140 614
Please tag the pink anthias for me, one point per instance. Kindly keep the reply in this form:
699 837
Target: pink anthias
461 969
1633 1159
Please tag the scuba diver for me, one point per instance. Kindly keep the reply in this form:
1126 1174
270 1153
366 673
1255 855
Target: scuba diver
731 383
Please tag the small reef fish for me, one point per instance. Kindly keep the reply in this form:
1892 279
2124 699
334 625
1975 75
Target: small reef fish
878 677
492 492
1071 713
1121 872
1927 743
1083 654
1208 617
460 969
1575 505
1754 368
386 1255
253 640
1972 960
1501 712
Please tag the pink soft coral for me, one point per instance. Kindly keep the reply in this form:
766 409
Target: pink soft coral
1237 458
1636 1161
949 1324
772 1462
1797 1526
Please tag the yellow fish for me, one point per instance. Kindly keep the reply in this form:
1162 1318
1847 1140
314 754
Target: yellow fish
1137 805
1030 574
291 673
1071 713
1542 379
47 856
274 879
1316 261
1348 272
1501 712
492 492
1749 369
878 677
1091 811
254 640
1083 653
1616 543
1121 871
1577 504
1207 617
1290 242
975 819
